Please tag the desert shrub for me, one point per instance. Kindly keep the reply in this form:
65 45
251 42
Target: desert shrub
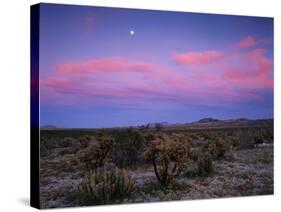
261 136
246 139
66 145
127 148
150 137
194 136
100 133
67 142
230 156
68 150
230 133
258 139
43 147
234 141
218 148
269 135
222 147
94 155
47 144
205 165
102 186
206 136
67 163
167 156
154 190
194 153
84 141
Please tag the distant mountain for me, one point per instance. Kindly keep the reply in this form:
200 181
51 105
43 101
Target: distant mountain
207 120
239 122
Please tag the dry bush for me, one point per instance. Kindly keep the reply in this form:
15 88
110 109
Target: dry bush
84 141
66 145
67 142
54 167
47 145
263 136
246 139
127 148
103 186
233 141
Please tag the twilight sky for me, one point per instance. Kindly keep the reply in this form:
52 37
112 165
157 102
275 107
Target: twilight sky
106 67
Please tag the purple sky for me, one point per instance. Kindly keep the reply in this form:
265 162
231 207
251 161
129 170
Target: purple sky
105 67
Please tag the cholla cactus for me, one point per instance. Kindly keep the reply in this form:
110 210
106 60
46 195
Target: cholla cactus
103 186
167 156
218 148
95 154
205 165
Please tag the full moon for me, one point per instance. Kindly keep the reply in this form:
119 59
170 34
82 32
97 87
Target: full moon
132 32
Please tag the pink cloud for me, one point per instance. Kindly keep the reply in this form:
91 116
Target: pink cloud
264 64
213 77
252 42
252 71
247 42
98 70
197 58
108 64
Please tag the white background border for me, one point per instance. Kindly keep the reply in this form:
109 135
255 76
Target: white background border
14 102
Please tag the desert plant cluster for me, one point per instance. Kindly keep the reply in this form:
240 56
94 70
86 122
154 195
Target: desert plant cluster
145 164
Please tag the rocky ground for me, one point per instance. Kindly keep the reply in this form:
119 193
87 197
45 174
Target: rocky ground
249 172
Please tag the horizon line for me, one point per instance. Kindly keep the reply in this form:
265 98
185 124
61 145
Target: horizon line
45 126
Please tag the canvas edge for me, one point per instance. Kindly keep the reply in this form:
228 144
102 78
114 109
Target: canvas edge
34 106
